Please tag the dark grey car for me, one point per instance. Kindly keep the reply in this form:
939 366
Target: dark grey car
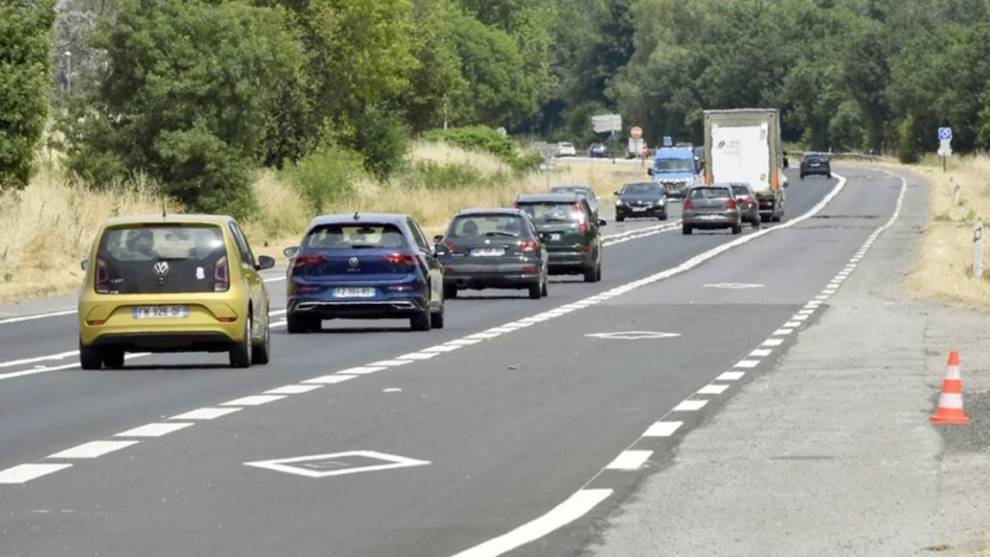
569 230
707 207
493 248
641 199
748 206
584 191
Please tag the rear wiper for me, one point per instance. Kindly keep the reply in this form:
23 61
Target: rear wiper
363 246
501 233
551 219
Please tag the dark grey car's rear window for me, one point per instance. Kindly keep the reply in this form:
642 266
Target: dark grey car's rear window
553 212
472 226
740 190
710 193
640 189
164 258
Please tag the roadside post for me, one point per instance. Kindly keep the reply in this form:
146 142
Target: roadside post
955 191
944 145
547 151
978 249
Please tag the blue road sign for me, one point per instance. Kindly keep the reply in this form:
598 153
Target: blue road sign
668 141
944 134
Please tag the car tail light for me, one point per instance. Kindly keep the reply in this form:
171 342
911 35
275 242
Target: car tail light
96 322
221 275
586 248
307 259
688 204
583 227
529 269
400 259
226 319
730 204
451 247
528 246
305 289
102 277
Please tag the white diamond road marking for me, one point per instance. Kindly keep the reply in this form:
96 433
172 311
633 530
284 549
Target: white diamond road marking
24 473
330 379
731 376
690 405
93 449
253 400
629 460
633 335
205 413
154 429
285 464
292 389
662 429
712 389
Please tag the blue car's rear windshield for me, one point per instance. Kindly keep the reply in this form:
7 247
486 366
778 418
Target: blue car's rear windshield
355 236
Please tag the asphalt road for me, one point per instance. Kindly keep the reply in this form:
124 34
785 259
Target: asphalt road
506 413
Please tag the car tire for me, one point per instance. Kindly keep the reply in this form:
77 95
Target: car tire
436 319
619 218
802 176
590 274
686 229
261 352
449 292
757 223
113 358
422 320
736 228
598 273
298 324
663 216
90 357
240 353
535 291
544 289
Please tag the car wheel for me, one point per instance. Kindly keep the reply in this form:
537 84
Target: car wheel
598 273
544 289
449 292
736 228
90 357
297 324
757 223
436 319
422 320
686 229
113 358
802 176
535 291
619 218
240 353
589 274
261 352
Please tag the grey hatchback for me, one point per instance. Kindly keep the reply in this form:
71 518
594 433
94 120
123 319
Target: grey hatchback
569 230
748 206
707 207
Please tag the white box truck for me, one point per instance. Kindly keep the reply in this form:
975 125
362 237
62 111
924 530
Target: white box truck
743 146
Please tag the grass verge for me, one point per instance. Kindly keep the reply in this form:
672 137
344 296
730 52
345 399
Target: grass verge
48 227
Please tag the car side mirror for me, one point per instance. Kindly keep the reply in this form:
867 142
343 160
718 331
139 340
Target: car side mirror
602 222
615 193
84 264
291 252
544 236
438 238
265 262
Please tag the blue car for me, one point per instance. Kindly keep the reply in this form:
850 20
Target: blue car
364 266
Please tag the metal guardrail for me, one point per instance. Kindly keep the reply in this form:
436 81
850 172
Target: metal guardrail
852 155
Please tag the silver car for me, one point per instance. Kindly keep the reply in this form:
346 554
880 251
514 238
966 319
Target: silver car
748 206
707 207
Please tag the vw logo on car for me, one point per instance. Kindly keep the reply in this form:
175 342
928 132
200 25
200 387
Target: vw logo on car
161 269
353 263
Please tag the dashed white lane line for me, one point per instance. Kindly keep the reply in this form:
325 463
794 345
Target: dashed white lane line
690 405
783 332
463 342
23 318
93 449
293 389
390 363
800 317
761 353
330 379
747 364
712 389
731 376
23 473
629 460
574 507
208 413
792 324
154 429
418 356
662 429
253 400
360 370
441 348
773 342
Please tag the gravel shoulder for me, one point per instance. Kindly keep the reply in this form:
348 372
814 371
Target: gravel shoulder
831 452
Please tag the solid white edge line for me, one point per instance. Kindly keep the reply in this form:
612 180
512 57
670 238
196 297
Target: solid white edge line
24 361
629 460
22 318
573 508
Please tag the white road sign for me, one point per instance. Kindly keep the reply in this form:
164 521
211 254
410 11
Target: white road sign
605 123
945 148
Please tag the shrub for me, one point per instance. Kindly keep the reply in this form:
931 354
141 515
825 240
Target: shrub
325 175
383 140
909 148
437 176
485 139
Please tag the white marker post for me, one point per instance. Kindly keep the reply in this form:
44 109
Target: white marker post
956 188
978 249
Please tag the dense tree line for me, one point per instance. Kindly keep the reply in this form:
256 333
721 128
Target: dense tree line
199 93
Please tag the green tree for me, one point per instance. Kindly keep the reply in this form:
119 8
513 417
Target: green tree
25 52
188 90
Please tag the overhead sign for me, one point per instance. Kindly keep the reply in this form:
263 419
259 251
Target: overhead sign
945 134
636 132
668 141
605 123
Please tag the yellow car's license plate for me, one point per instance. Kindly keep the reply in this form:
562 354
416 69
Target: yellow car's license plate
160 312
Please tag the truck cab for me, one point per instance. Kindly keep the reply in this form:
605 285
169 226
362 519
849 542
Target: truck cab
674 168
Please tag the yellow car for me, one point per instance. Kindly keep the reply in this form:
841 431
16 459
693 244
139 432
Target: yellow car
180 283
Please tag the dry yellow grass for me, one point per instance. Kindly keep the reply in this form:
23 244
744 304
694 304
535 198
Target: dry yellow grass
48 227
943 270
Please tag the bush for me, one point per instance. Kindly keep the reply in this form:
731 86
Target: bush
908 140
327 174
436 176
482 138
383 140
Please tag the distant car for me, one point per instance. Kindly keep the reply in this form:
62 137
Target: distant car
598 151
572 236
180 283
364 266
707 207
493 248
641 199
748 206
566 150
584 191
816 163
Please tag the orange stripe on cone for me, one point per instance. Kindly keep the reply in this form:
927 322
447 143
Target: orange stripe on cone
950 402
